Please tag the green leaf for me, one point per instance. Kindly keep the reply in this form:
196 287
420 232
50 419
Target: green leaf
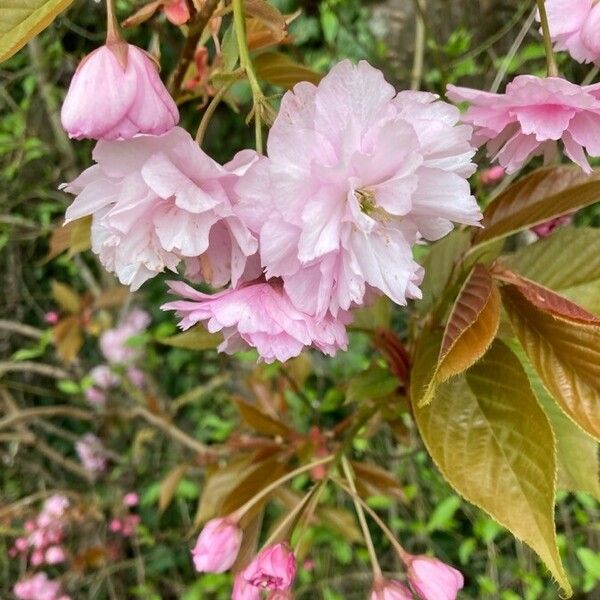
438 264
542 195
569 257
576 452
493 443
375 382
196 338
566 354
24 19
279 69
470 329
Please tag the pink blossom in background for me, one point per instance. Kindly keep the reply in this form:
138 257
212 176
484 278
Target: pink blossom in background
242 590
259 315
136 376
390 589
56 505
38 587
355 175
531 116
274 568
131 499
575 27
116 93
433 579
113 342
55 555
91 453
95 397
545 229
176 11
51 317
217 546
492 175
104 377
157 200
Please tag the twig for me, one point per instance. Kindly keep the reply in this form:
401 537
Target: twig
173 431
417 68
18 416
512 51
196 27
550 58
34 367
21 328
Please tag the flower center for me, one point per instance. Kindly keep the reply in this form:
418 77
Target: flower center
366 200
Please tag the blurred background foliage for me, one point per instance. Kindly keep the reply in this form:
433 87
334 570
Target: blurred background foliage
468 42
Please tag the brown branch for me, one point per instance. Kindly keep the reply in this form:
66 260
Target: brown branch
21 328
34 367
197 25
18 416
173 431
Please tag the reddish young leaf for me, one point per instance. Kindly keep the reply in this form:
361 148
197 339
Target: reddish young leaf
279 69
538 197
564 350
260 421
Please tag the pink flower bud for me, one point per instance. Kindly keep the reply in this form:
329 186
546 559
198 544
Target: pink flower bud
492 175
131 499
176 11
115 525
545 229
217 546
21 544
95 397
136 376
37 558
274 568
116 93
242 590
55 555
434 580
390 589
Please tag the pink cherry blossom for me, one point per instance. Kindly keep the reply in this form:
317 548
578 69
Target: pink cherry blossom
242 590
157 200
355 175
91 453
116 93
390 589
95 397
259 315
433 579
574 27
38 587
104 377
531 116
55 505
217 546
52 317
55 555
136 376
274 568
113 342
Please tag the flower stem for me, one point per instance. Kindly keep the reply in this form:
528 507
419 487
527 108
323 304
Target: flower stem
246 64
112 25
239 513
404 555
361 518
550 58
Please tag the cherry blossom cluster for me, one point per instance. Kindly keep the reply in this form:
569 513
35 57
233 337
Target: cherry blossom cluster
45 534
356 174
91 453
121 358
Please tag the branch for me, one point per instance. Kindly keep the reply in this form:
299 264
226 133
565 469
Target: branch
20 415
21 328
34 367
196 27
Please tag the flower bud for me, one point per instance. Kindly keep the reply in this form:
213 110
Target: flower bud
217 546
274 568
434 580
492 175
390 589
547 228
116 93
177 11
